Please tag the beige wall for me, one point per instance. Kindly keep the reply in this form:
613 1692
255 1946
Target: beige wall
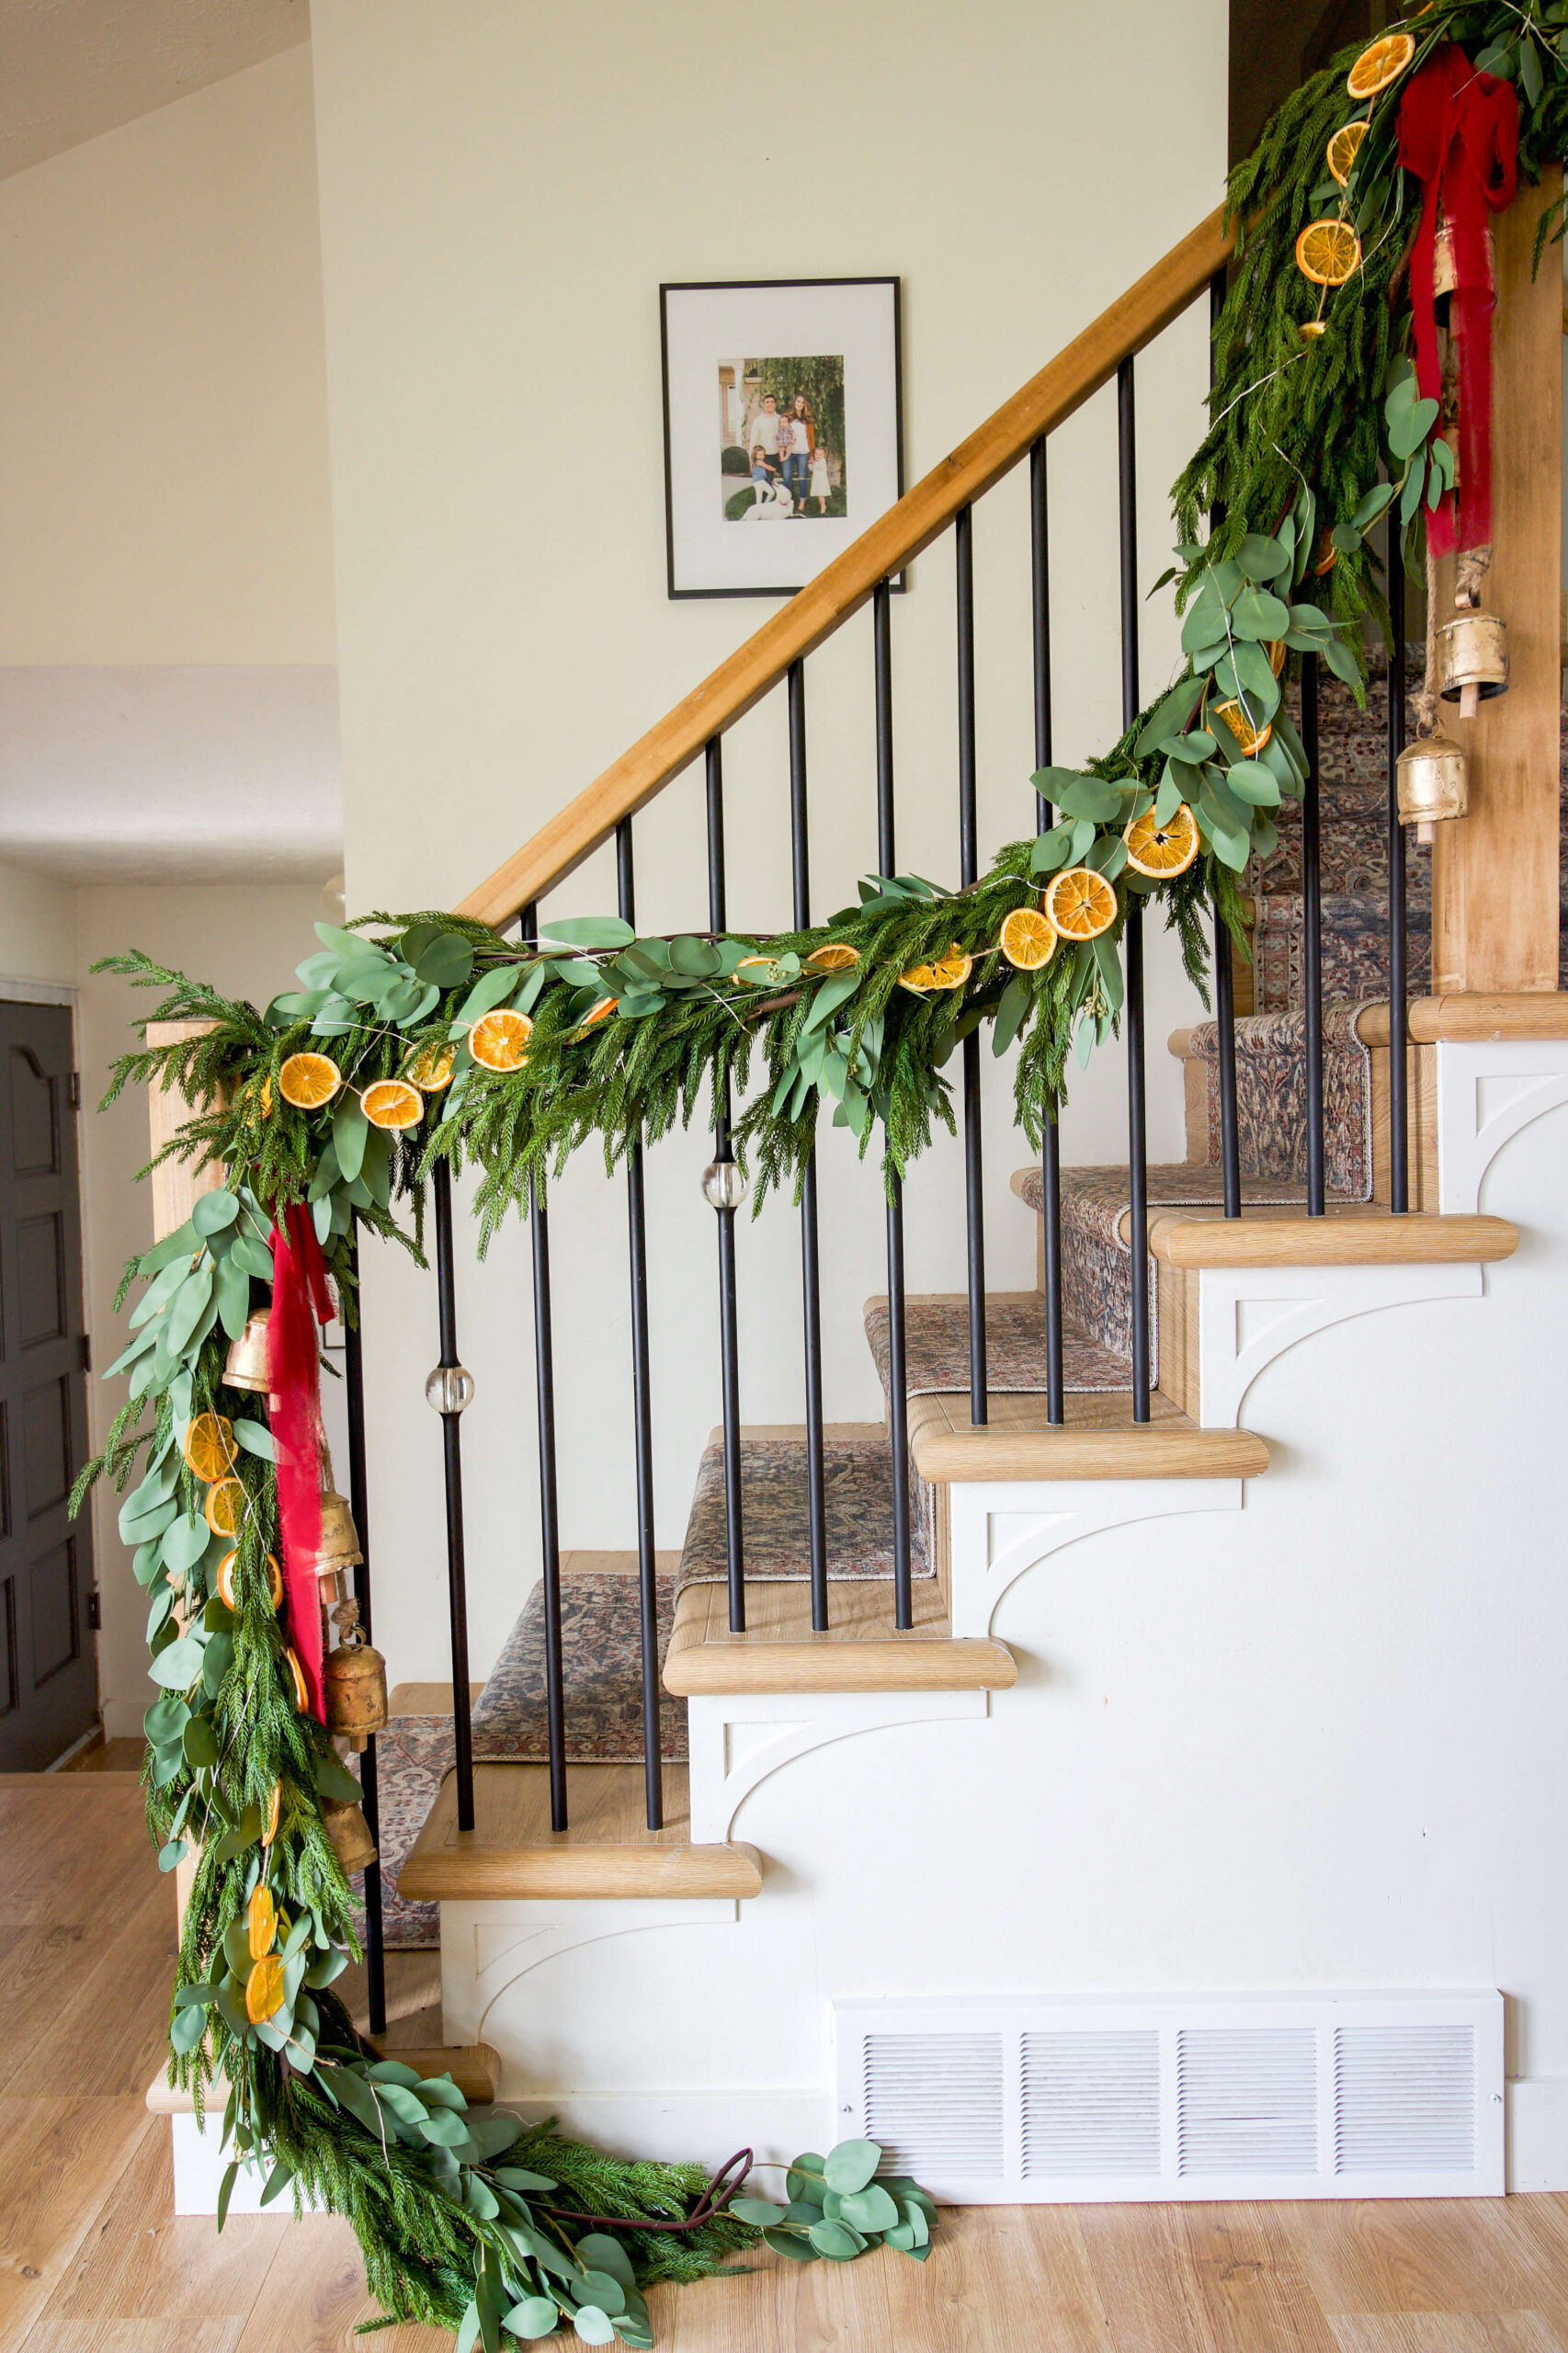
246 942
38 928
503 189
163 497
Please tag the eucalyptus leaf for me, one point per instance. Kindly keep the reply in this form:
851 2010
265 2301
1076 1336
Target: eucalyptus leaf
232 1290
189 1307
536 2317
1251 782
851 2165
255 1438
791 2242
177 1667
349 1129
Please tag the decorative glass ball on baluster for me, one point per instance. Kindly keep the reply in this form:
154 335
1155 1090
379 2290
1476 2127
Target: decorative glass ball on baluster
723 1186
450 1389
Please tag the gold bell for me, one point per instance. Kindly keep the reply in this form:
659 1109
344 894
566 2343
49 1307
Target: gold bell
1473 656
350 1834
246 1365
356 1682
1433 783
338 1550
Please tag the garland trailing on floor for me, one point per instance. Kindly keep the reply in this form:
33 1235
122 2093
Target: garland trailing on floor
432 1040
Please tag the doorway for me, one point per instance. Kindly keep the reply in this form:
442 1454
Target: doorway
48 1692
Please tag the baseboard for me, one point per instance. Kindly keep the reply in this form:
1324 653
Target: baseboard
1537 2133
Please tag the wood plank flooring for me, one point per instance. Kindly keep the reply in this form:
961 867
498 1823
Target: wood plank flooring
93 2260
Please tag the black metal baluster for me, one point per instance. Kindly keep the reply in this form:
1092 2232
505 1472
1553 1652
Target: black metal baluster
898 1380
1311 934
1050 1142
969 867
360 1505
734 1539
1224 969
641 1410
549 1495
1399 1111
811 1269
1132 931
449 1389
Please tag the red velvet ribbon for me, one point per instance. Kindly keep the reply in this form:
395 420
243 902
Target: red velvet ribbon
300 1302
1459 132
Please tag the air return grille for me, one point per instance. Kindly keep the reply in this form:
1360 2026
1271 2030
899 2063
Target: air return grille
1185 2095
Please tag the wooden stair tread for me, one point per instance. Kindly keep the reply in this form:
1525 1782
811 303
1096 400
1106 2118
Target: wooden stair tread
862 1651
1354 1233
607 1852
1098 1439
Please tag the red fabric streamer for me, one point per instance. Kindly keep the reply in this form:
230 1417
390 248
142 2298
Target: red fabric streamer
1459 132
300 1302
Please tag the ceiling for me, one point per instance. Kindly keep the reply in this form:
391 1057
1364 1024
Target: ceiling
176 774
74 69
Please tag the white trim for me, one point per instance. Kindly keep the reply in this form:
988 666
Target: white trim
739 1739
1248 1316
39 992
1000 1531
1528 1077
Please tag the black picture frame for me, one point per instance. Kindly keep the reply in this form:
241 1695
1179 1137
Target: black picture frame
677 287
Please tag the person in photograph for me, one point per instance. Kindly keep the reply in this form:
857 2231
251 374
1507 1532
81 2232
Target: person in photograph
765 427
761 473
798 448
821 489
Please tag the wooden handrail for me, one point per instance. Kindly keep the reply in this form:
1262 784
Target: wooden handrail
1063 385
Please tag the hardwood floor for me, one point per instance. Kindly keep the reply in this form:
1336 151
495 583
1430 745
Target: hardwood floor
93 2260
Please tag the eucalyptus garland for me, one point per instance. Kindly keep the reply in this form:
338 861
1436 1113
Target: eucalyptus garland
423 1039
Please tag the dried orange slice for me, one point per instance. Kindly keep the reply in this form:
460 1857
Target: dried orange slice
833 956
1343 148
261 1922
1328 252
1275 650
308 1081
1327 554
264 1990
224 1507
500 1041
297 1675
393 1103
1080 903
759 971
1383 63
432 1068
1309 330
948 972
1164 849
598 1013
1027 939
274 1809
1251 739
209 1447
227 1567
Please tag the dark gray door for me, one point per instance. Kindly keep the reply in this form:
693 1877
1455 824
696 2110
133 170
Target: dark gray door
48 1692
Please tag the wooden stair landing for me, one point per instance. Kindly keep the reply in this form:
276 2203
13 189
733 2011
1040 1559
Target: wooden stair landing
607 1852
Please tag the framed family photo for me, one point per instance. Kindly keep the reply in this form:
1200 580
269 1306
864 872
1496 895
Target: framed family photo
783 427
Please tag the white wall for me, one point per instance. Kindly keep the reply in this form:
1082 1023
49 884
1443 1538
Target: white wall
502 191
163 413
38 928
246 942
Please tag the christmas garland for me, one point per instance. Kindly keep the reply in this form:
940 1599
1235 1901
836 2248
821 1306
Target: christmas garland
418 1040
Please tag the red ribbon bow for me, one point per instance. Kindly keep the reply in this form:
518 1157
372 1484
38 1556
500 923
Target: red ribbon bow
300 1302
1459 132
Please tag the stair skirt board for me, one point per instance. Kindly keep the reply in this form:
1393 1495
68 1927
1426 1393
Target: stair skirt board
1189 2096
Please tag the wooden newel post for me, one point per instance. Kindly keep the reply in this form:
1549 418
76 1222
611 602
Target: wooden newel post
1494 873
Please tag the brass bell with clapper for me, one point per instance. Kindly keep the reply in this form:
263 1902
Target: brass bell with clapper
350 1835
1432 783
1474 660
339 1549
356 1681
246 1365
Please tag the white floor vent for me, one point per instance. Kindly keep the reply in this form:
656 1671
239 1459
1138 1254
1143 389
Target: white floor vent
1185 2095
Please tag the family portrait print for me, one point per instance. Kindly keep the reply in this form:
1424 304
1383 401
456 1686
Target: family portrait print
781 439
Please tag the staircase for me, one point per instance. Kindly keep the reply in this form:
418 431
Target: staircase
985 1696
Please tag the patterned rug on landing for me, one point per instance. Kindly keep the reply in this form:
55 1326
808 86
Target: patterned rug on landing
775 1516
